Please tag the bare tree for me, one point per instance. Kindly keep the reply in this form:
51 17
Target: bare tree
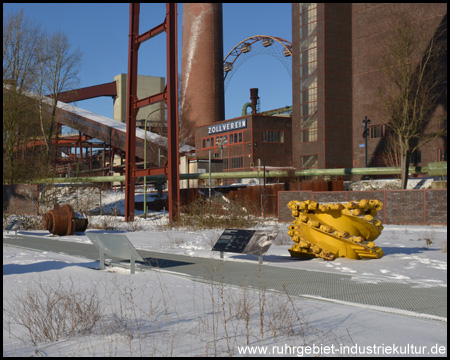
21 42
34 65
415 78
60 70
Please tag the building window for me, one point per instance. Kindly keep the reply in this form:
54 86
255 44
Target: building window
309 82
221 140
214 142
307 6
443 123
308 61
308 97
308 135
416 157
307 122
308 77
442 154
208 142
308 109
377 131
235 138
309 161
272 136
308 13
308 126
234 162
308 29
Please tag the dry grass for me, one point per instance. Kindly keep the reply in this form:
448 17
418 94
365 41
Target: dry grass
51 312
217 213
147 321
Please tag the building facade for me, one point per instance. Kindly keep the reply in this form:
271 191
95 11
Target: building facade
337 53
146 86
244 143
322 89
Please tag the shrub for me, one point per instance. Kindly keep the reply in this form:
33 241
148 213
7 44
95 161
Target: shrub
217 213
52 312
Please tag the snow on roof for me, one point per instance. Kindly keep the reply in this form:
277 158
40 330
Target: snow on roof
140 133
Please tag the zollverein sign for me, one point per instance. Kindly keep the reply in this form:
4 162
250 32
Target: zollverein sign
229 126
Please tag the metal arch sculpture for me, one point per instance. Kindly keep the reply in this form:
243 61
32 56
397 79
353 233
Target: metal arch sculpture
245 46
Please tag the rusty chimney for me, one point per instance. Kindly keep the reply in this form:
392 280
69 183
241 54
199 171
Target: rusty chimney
202 89
254 100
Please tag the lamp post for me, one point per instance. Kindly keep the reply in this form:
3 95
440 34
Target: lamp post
145 159
264 201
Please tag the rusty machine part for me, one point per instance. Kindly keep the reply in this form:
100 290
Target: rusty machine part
336 230
62 220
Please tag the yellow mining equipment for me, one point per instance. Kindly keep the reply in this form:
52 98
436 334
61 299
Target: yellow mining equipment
335 230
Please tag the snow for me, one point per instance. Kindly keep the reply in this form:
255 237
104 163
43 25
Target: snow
159 313
120 126
114 124
389 184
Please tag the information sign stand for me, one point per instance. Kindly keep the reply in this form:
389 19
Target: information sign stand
252 242
115 246
13 225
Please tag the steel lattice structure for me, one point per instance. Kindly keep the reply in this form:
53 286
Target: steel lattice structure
169 95
245 46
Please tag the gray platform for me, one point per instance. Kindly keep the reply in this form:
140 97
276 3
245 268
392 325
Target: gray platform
336 287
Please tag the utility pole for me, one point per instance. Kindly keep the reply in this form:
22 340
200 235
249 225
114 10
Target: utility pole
366 135
264 187
209 192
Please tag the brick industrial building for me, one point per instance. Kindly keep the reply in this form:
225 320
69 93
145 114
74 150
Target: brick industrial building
337 53
336 65
244 143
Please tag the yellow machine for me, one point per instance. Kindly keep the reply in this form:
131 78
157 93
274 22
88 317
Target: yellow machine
335 230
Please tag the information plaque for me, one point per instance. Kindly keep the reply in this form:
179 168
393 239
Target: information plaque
115 246
13 225
252 242
233 240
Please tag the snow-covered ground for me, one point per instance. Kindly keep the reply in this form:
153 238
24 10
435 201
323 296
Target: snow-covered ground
156 313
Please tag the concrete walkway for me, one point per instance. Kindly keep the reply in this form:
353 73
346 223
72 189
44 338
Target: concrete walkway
390 297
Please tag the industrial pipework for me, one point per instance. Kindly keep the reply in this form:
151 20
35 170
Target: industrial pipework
433 169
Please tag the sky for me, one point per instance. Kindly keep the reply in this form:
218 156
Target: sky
100 31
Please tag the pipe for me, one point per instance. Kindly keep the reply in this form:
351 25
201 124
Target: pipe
433 169
245 107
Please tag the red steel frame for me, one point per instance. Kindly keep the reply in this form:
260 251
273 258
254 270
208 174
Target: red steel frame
169 95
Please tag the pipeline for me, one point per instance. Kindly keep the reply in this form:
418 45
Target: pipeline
245 107
433 169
